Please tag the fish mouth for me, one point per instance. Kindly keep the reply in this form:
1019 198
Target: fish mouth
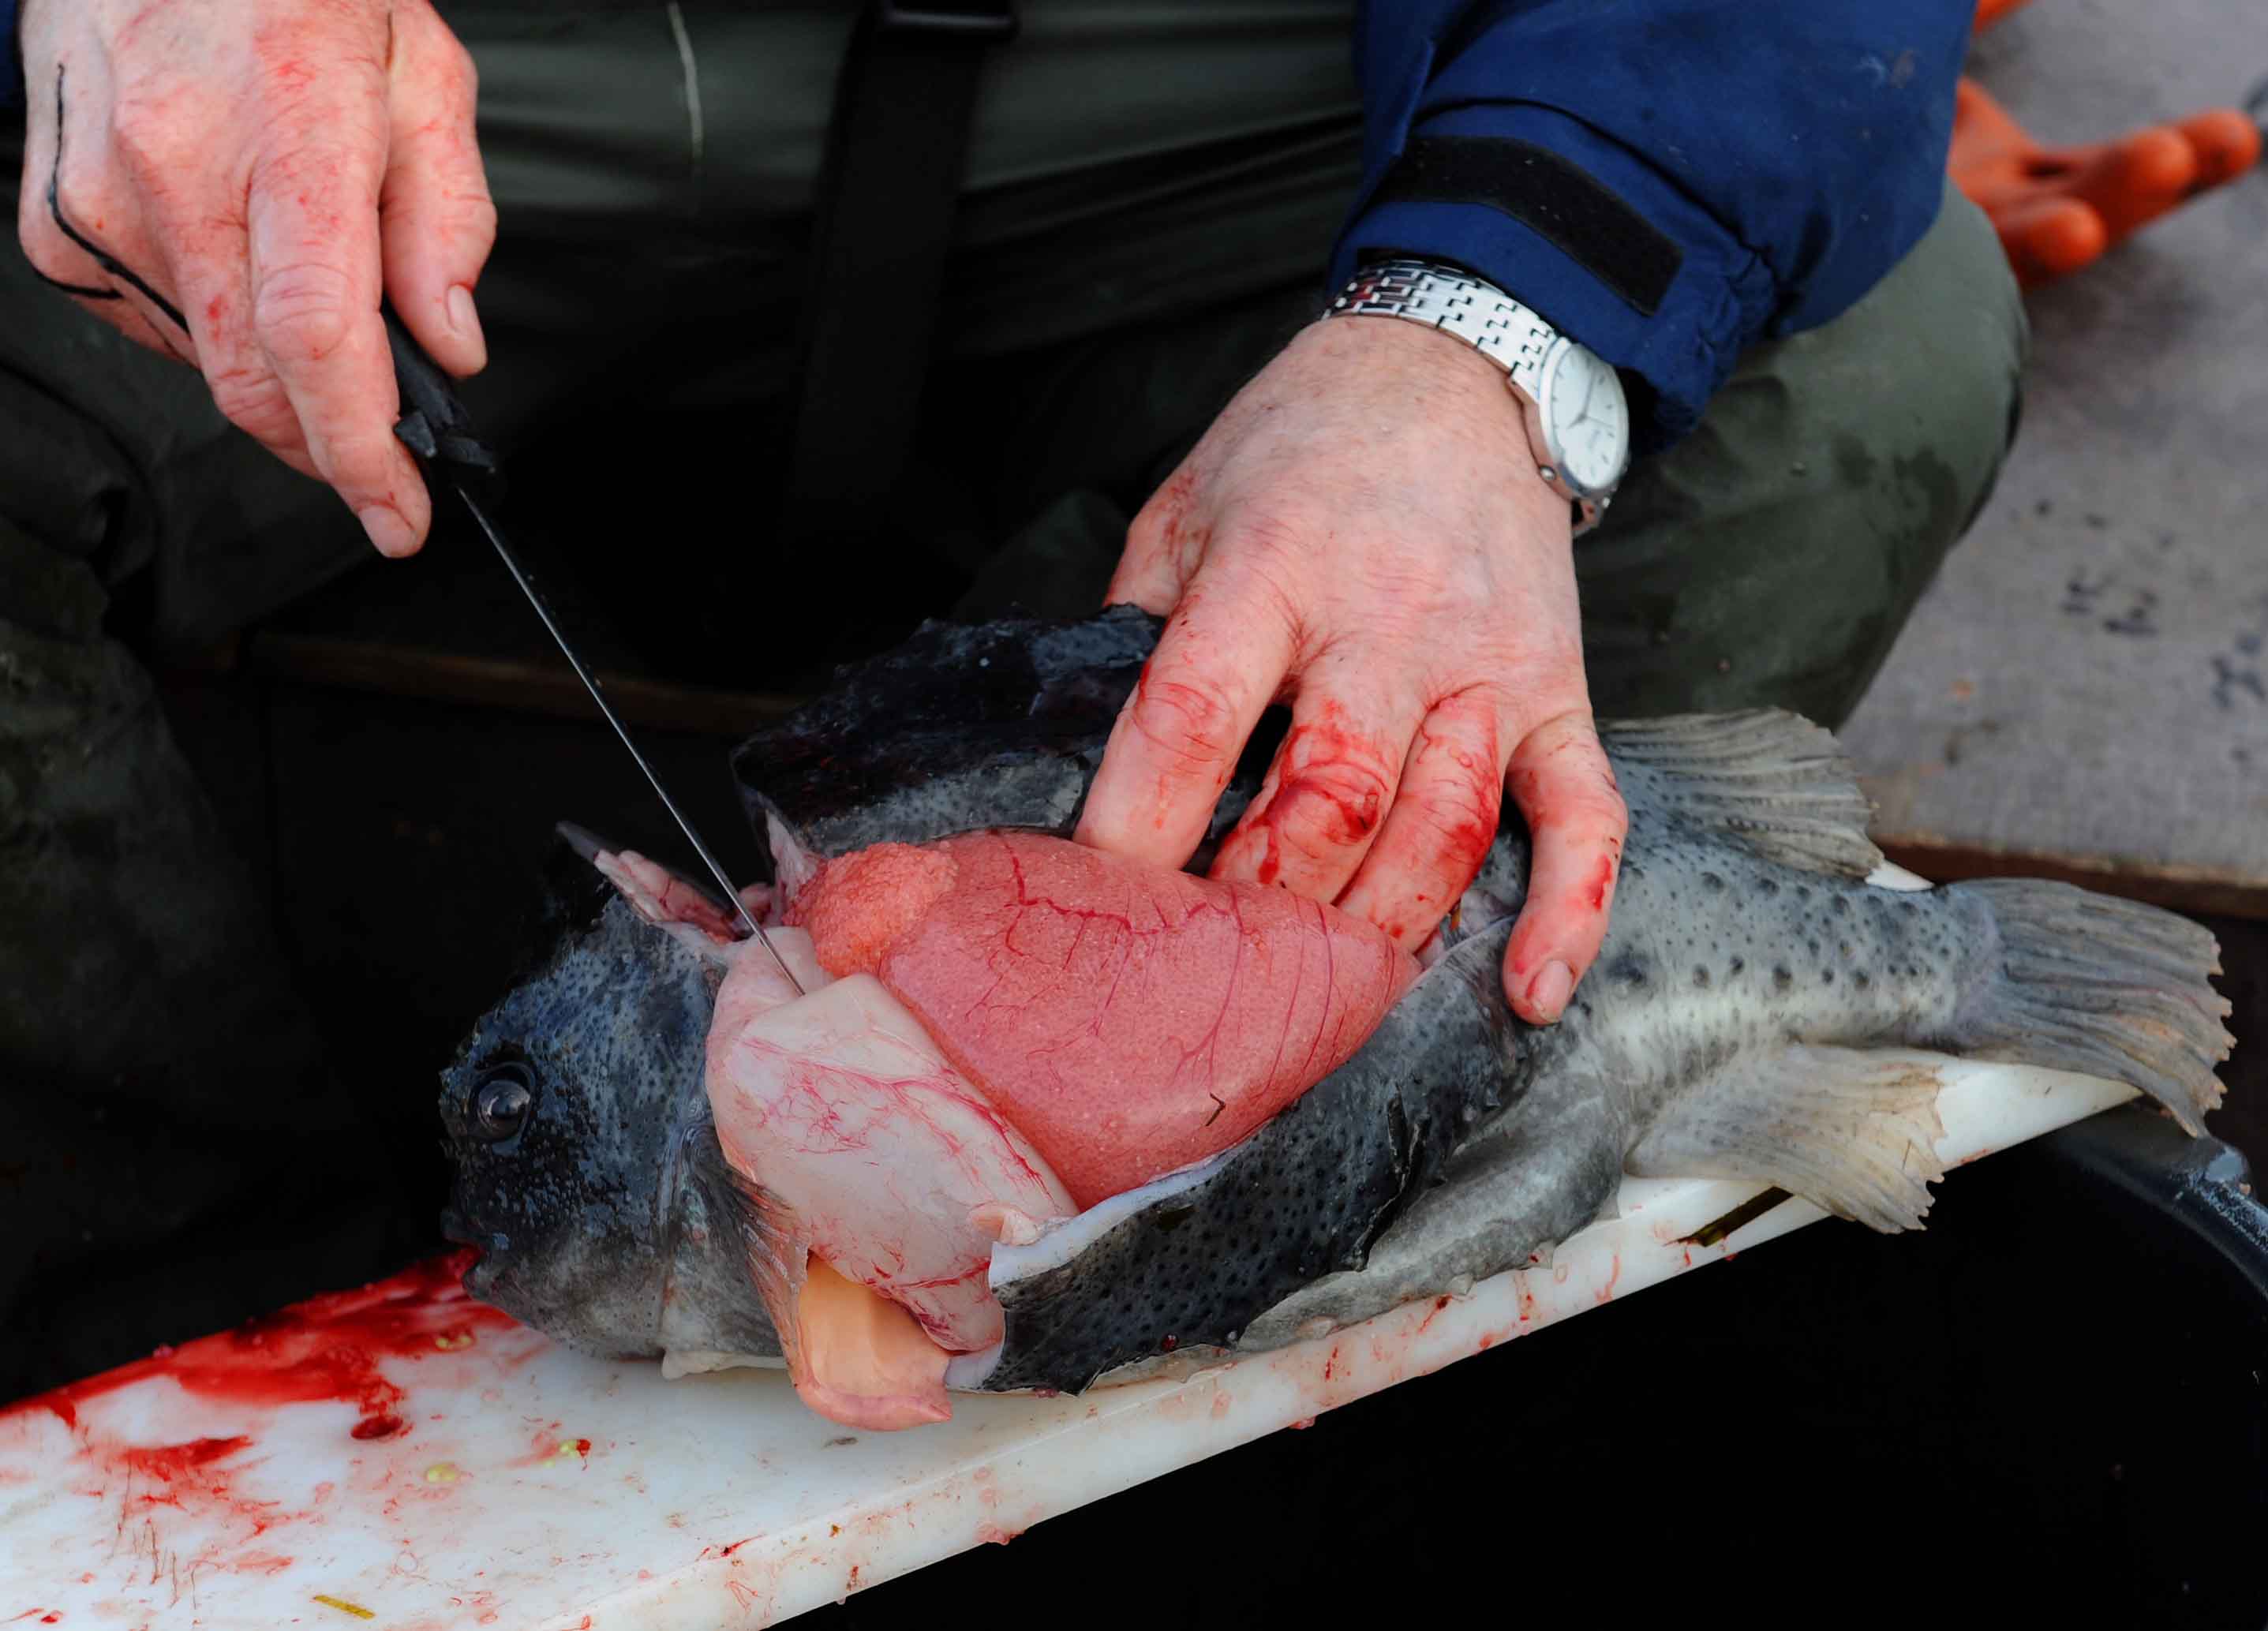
481 1272
482 1276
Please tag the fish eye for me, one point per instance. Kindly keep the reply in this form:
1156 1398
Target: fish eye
502 1099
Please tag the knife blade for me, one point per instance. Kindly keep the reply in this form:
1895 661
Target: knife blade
435 426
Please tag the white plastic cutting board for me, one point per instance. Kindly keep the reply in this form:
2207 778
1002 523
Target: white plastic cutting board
526 1486
402 1459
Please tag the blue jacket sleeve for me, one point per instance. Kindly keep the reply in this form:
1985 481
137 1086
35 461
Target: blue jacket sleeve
1667 180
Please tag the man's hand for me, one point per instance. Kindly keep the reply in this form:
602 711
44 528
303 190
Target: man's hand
265 168
1363 532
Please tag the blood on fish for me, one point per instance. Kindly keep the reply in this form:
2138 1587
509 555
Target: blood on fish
1601 883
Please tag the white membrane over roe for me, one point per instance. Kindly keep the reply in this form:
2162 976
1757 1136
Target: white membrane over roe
878 1154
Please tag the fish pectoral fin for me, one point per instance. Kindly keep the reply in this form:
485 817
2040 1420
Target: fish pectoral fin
760 1223
1852 1130
1771 780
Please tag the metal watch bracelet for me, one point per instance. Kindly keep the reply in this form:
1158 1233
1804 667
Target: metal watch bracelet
1499 328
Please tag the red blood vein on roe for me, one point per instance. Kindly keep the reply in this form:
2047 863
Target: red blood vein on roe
1126 1019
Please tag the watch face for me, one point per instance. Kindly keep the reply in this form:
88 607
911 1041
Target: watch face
1587 418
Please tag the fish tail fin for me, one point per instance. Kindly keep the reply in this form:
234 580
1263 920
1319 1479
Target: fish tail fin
2104 987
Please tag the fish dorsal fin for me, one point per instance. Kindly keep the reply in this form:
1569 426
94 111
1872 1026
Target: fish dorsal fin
1853 1131
1773 780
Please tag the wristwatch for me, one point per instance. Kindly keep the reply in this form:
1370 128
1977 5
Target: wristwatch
1578 420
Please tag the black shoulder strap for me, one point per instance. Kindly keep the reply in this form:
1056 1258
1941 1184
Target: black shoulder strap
895 156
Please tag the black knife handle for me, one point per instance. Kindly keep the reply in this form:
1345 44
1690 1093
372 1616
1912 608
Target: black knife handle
434 424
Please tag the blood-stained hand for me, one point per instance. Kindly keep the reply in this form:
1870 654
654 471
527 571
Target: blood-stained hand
237 181
1363 532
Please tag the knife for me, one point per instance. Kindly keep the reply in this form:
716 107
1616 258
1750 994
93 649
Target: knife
435 426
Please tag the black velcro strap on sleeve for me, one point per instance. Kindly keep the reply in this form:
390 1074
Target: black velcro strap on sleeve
1541 190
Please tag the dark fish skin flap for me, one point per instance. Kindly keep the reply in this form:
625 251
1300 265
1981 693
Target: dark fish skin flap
1029 708
965 726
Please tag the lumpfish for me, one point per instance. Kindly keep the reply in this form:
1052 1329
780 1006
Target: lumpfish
970 1159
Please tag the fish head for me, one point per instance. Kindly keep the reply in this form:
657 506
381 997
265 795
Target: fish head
576 1118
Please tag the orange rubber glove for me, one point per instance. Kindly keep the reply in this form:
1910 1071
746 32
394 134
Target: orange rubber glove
2058 208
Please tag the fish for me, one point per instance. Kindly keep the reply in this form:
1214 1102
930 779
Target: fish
1759 1011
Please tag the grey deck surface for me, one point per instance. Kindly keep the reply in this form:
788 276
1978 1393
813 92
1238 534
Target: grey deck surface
2085 688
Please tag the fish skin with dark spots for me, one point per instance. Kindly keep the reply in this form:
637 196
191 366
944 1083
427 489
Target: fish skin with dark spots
1758 1011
